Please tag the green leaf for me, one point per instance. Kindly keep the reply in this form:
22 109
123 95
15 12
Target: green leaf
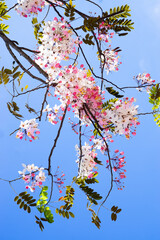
21 205
16 198
25 207
71 214
119 210
97 161
114 209
113 217
114 92
22 194
19 201
28 209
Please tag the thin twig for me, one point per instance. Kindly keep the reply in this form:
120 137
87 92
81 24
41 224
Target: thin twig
55 142
31 90
44 100
8 10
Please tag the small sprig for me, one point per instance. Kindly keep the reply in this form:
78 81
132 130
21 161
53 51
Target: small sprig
25 201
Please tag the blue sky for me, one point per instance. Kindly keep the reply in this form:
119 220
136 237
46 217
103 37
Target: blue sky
140 199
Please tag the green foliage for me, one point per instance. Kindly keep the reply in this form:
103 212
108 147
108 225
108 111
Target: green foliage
154 98
14 109
30 109
69 11
118 21
7 74
108 104
115 211
95 218
88 39
39 222
3 16
119 12
41 205
89 24
114 92
25 201
3 28
91 195
68 199
37 27
97 161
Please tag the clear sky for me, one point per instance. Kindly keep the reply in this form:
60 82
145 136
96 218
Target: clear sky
139 200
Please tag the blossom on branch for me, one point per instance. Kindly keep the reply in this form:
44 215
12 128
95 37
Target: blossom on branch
33 176
86 160
28 129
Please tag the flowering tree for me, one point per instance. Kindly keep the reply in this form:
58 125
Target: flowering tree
97 108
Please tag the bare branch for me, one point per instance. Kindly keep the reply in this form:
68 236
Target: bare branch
23 68
55 142
22 53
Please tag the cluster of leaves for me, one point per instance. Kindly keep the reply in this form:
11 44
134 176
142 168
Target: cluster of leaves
3 16
7 74
95 218
118 20
108 104
88 39
89 24
68 199
114 92
14 109
25 201
41 205
69 10
154 98
37 27
91 195
39 222
115 211
30 109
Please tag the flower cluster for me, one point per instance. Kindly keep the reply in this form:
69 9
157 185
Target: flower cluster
86 160
144 80
33 176
27 7
122 114
57 44
118 163
54 114
59 179
28 129
103 34
111 60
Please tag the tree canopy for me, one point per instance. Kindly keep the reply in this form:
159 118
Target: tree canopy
72 92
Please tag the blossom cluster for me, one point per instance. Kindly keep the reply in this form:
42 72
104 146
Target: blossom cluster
103 34
111 60
118 164
122 114
86 160
33 176
76 87
144 80
28 129
57 44
54 114
27 7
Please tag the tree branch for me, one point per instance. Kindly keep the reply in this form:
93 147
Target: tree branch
22 53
